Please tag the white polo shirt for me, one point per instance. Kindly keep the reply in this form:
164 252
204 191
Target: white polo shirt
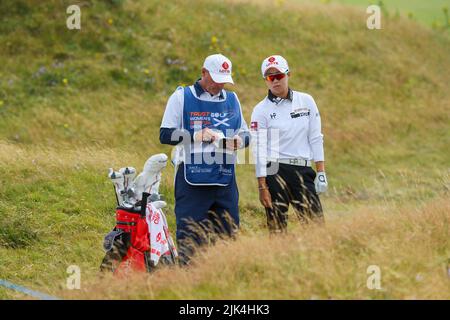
286 129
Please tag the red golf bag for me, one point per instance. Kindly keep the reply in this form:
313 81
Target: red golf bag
128 245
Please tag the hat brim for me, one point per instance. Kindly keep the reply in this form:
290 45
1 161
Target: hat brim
221 78
282 70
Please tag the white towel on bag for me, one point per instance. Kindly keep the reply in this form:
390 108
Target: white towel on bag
161 242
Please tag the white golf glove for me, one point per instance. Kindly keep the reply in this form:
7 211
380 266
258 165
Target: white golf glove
321 182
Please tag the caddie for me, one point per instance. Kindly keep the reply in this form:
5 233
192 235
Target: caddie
206 124
287 138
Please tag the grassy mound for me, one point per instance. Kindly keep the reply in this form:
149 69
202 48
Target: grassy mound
75 102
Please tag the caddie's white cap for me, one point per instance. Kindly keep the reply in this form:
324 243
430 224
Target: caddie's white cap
277 62
219 68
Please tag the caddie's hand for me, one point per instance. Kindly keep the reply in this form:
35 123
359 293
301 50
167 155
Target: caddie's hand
205 135
234 144
321 182
265 197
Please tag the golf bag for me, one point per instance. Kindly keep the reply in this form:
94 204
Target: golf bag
141 239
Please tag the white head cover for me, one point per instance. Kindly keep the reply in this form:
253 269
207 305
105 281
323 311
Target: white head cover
148 180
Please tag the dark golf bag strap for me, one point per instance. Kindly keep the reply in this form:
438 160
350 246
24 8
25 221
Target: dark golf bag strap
116 245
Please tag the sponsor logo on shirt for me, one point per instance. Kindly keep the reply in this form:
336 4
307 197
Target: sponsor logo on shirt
301 112
225 170
205 118
199 124
219 114
199 114
196 117
254 125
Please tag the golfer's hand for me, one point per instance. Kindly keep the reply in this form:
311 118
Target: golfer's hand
265 198
321 182
234 144
205 135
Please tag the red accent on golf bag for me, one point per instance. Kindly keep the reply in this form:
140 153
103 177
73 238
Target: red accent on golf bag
135 224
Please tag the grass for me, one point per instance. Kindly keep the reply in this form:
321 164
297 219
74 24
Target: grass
410 245
432 13
384 100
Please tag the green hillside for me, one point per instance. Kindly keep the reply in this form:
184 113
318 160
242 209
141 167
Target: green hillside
76 102
432 13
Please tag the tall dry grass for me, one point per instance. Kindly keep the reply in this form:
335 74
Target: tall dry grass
411 246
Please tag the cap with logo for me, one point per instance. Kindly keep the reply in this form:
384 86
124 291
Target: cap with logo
277 62
219 68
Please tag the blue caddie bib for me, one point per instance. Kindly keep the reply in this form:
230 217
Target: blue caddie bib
204 165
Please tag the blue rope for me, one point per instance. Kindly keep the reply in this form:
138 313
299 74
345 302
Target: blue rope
27 291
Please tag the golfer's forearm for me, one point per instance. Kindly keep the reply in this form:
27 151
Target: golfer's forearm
320 166
262 182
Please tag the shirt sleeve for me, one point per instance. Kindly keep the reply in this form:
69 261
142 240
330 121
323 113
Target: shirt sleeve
171 131
315 136
243 132
174 111
173 136
258 129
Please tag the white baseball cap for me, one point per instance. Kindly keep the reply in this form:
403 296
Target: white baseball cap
277 62
219 68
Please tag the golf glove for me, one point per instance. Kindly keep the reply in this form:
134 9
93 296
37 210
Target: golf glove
321 182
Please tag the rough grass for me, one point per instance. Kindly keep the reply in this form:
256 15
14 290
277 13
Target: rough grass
410 245
385 105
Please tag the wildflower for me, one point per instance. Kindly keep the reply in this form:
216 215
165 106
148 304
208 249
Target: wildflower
65 81
214 39
110 21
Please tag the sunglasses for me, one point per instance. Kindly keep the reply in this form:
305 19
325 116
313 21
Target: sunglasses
272 77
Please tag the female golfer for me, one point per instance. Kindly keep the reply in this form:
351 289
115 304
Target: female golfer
287 137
